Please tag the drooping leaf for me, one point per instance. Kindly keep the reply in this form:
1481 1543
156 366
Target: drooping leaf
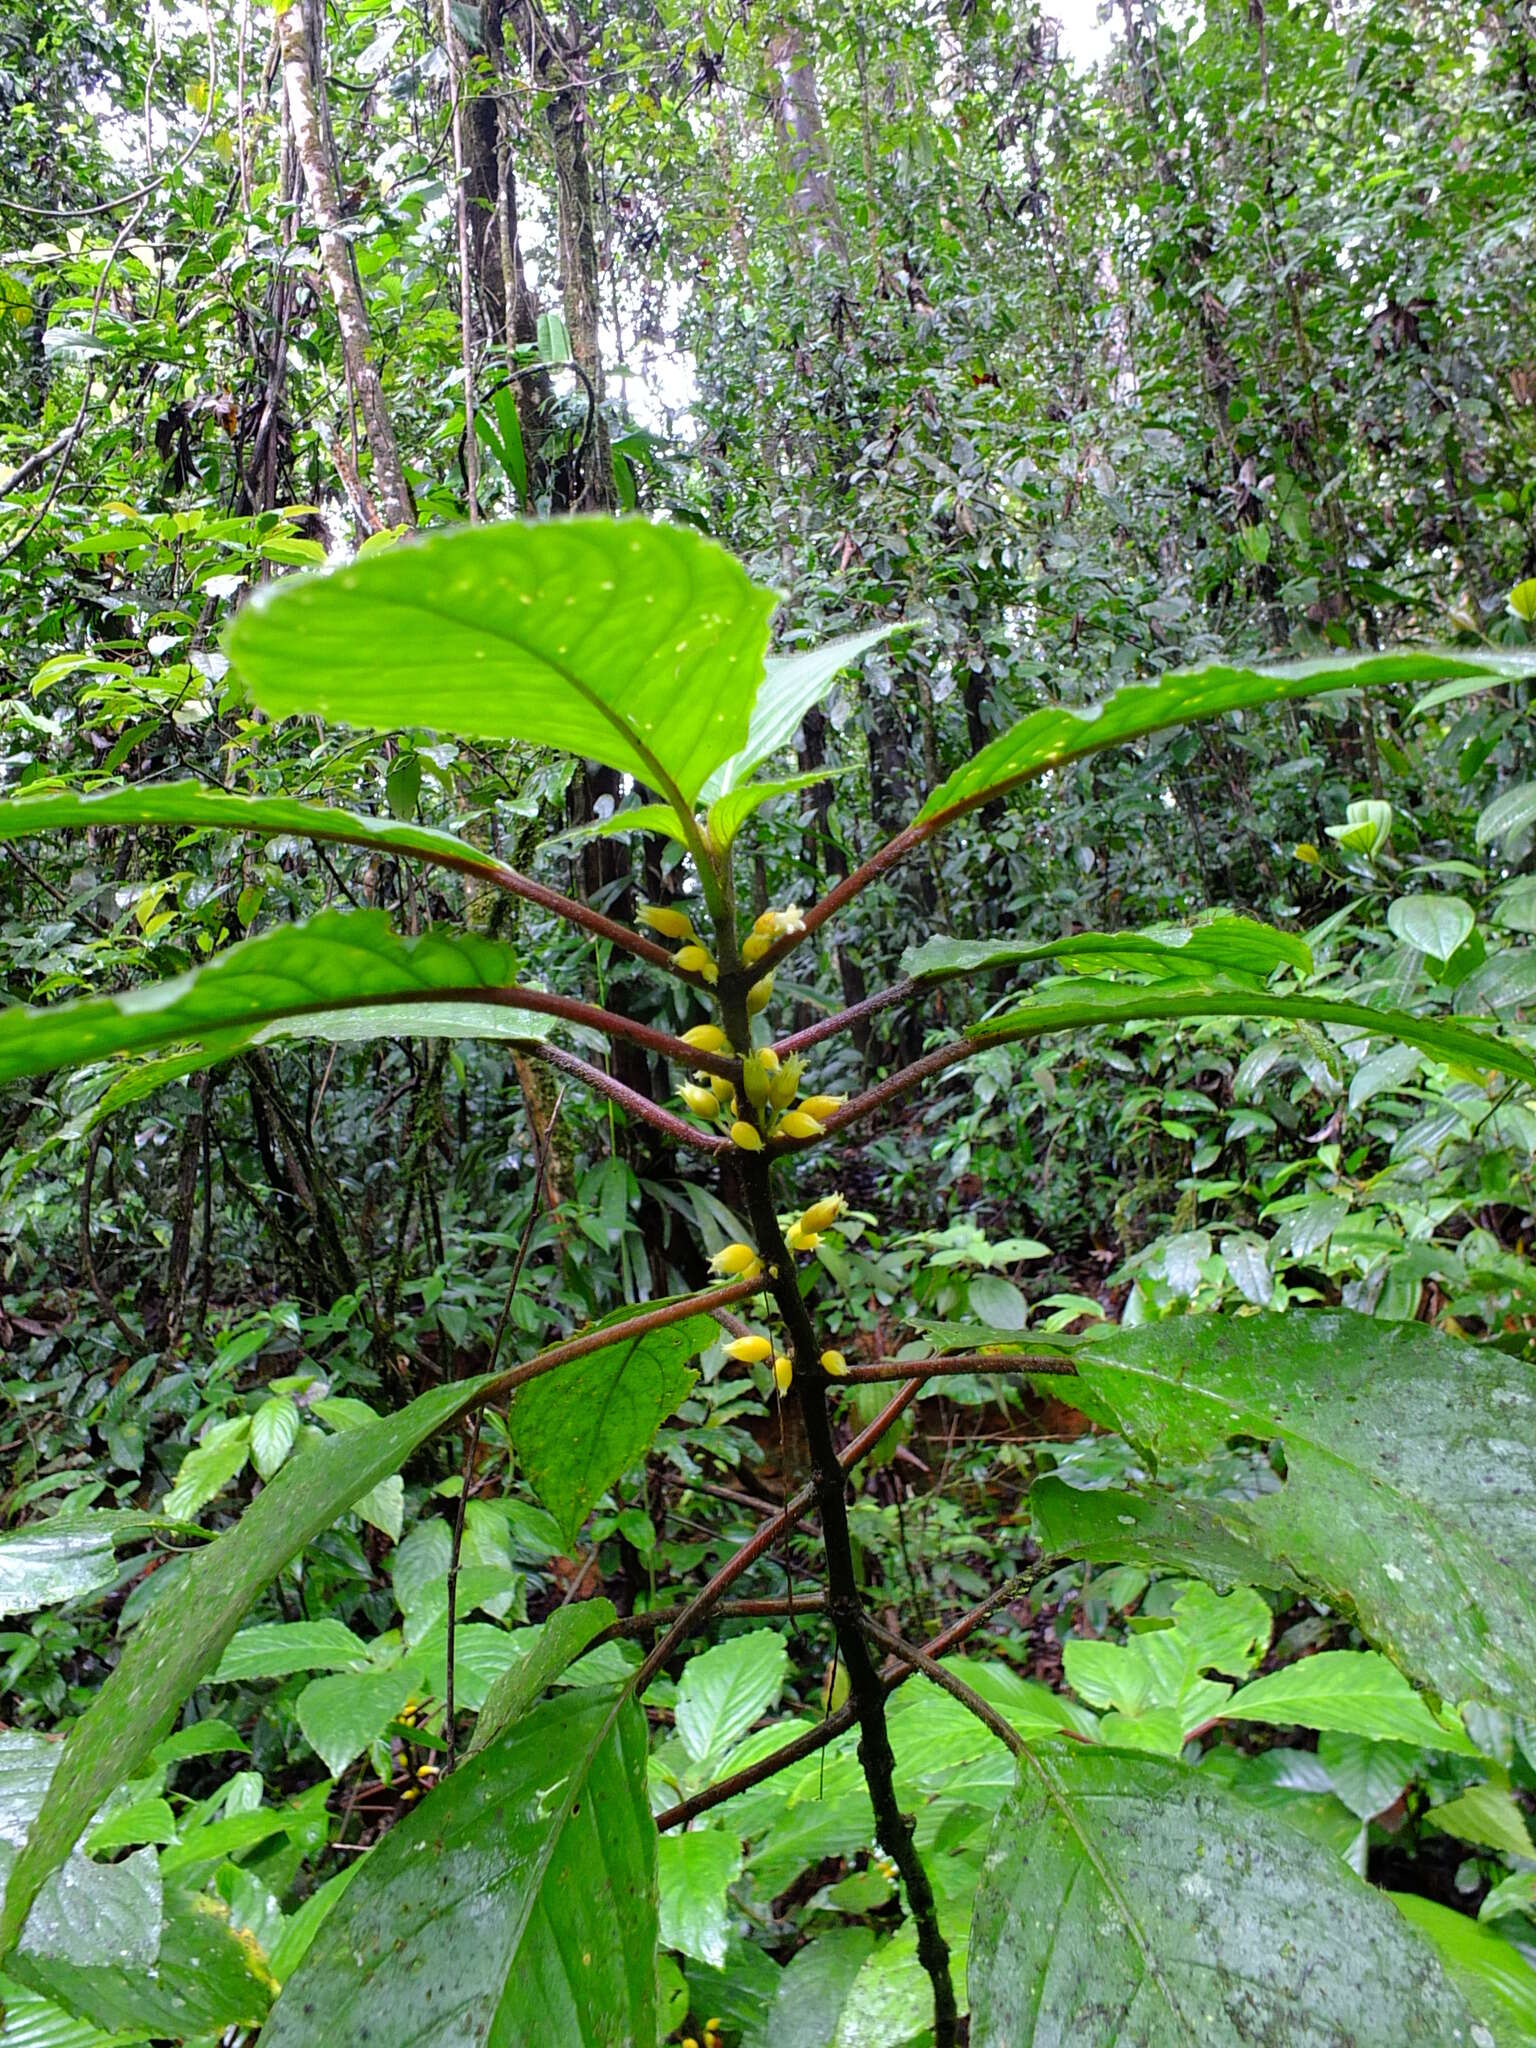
694 1870
338 961
1111 1526
1132 1902
72 1554
1078 1006
1051 737
1235 948
515 1904
792 684
1436 925
579 1429
193 806
32 2021
185 1634
724 1690
1394 1505
640 646
1489 1815
559 1641
814 1988
1356 1692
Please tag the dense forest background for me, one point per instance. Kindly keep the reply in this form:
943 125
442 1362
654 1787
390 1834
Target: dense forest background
1217 344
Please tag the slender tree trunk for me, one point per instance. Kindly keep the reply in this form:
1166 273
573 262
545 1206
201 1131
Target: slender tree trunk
802 135
316 149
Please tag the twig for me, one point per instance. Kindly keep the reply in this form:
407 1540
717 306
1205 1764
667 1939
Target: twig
627 1098
629 1626
883 1369
844 1020
920 1660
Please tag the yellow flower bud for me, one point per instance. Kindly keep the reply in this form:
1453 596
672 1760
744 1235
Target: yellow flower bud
786 1083
1304 850
700 1100
769 1058
723 1090
754 1078
767 926
672 924
759 995
834 1365
749 1350
732 1260
823 1106
696 960
753 948
823 1214
794 1123
798 1241
747 1136
783 1373
707 1038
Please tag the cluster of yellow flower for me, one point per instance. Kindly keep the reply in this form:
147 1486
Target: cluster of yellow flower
694 957
711 2036
770 1086
742 1262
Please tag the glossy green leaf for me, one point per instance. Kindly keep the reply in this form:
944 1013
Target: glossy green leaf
694 1869
1395 1506
640 646
1356 1692
69 1555
1512 812
1235 948
31 2021
1490 1972
193 805
728 813
1489 1815
185 1634
276 1649
814 1989
1132 1902
515 1904
579 1429
1078 1006
1057 734
341 1715
559 1641
1436 925
724 1690
338 961
792 684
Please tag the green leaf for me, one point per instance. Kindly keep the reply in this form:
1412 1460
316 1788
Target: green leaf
1492 1975
209 1467
1436 925
1394 1505
1131 1902
515 1904
1234 948
35 2022
274 1428
558 1642
639 646
1488 1815
1077 1006
43 1565
185 1634
578 1430
724 1690
1051 737
792 684
693 1870
1511 813
192 805
340 1716
728 813
1356 1692
814 1988
341 960
276 1649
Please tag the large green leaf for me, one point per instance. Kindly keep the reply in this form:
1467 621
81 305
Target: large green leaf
552 1646
339 961
724 1690
1058 733
578 1430
1082 1005
1491 1973
1353 1692
791 685
640 646
194 804
1109 1526
1409 1497
1131 1902
69 1555
185 1634
515 1905
1235 948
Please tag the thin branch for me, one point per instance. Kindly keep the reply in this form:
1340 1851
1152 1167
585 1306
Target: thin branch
628 1626
844 1020
893 851
629 1099
897 1084
883 1369
920 1660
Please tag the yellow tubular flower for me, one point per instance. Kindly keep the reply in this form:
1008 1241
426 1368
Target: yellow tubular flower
798 1241
823 1214
749 1350
723 1090
733 1260
794 1123
768 926
759 995
671 924
783 1373
769 1058
696 960
701 1101
786 1082
747 1136
707 1038
754 1078
834 1365
753 948
822 1106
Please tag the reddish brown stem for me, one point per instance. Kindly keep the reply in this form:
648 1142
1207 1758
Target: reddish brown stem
885 1091
830 1027
887 857
630 1625
630 1099
882 1369
612 1333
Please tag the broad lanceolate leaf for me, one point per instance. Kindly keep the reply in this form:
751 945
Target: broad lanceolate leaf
724 1690
694 1870
341 1715
185 1634
192 804
640 646
559 1641
279 1648
1109 1526
1491 1973
1356 1692
339 961
1082 1005
1051 737
515 1905
1233 948
1409 1497
578 1430
792 684
1130 1902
